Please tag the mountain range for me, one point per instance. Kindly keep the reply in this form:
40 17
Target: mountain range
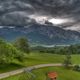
30 18
41 34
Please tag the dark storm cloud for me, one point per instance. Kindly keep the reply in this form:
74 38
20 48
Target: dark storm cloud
17 12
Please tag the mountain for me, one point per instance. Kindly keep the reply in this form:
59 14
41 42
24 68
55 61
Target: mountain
30 18
41 34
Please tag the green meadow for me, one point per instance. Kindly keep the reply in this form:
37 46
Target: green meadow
19 55
44 58
38 58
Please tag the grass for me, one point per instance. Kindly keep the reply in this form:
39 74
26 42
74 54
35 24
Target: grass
9 67
41 74
44 58
13 77
63 74
76 59
38 58
32 59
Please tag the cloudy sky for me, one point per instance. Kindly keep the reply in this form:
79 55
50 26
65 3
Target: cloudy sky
62 13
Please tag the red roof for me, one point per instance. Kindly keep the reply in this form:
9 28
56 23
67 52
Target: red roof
52 74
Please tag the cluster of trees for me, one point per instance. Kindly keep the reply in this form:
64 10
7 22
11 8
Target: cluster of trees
22 45
17 50
73 49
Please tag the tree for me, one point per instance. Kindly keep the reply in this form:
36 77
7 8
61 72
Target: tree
22 45
8 53
67 61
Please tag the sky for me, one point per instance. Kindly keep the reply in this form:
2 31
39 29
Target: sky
62 13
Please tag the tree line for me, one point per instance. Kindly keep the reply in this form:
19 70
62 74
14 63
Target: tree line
63 50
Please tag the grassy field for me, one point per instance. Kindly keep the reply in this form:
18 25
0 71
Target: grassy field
44 58
76 59
63 74
32 59
38 58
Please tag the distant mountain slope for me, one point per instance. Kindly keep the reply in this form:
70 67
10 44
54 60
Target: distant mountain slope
41 34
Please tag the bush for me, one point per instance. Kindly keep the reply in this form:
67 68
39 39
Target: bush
77 68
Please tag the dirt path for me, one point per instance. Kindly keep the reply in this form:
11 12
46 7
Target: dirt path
11 73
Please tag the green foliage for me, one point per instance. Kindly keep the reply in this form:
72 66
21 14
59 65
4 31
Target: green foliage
22 45
63 50
77 68
67 61
8 52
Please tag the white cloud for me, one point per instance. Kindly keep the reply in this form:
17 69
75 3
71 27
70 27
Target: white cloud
11 27
39 18
74 27
1 26
57 21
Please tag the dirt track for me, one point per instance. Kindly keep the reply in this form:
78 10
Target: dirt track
11 73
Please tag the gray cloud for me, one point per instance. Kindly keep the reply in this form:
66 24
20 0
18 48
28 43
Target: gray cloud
18 12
